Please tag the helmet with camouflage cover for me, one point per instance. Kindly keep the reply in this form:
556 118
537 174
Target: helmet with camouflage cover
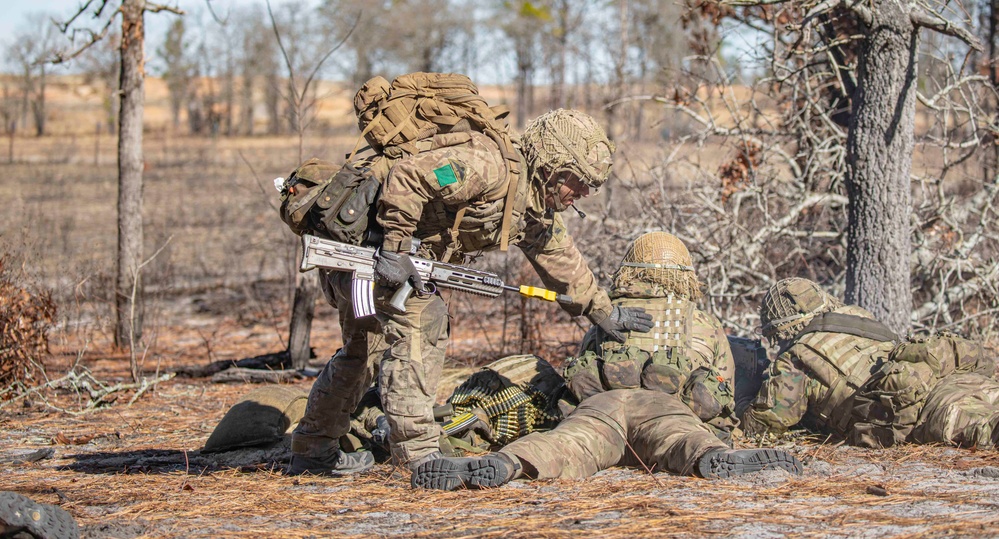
790 304
568 140
661 260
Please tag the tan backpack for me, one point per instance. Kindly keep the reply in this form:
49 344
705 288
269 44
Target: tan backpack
396 119
402 117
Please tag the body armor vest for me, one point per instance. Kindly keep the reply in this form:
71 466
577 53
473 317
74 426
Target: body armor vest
479 227
673 320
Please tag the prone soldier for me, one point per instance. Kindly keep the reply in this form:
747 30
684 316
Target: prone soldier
686 353
840 371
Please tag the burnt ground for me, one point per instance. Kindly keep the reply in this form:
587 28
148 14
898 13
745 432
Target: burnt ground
135 471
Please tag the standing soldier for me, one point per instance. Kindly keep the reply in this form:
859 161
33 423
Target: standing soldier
456 199
686 353
840 371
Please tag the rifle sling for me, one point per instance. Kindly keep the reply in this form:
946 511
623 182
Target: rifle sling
851 325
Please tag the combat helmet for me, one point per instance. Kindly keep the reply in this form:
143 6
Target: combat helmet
659 259
790 304
568 140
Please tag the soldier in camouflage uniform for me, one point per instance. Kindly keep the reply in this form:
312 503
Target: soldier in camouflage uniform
623 427
454 198
840 371
686 353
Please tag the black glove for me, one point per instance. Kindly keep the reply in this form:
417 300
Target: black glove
380 435
393 269
624 319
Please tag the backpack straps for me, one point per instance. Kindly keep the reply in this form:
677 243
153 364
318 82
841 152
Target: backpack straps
850 324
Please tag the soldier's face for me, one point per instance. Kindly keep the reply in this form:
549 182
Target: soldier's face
568 189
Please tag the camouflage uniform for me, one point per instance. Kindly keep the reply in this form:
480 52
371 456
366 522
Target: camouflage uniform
687 351
420 198
814 380
874 391
663 435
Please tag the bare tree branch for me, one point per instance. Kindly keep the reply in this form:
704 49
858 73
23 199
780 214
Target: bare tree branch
928 19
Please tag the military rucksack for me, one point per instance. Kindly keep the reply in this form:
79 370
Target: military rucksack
396 119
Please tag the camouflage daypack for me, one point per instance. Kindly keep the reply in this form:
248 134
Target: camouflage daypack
406 116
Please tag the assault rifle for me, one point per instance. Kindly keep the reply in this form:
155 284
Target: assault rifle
336 256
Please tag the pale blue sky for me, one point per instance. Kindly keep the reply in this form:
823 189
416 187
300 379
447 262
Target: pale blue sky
14 13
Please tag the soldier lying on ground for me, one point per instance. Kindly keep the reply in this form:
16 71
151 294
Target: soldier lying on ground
624 427
618 422
686 353
840 371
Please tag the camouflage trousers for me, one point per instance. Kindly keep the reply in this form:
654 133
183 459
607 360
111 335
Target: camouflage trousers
404 350
963 410
628 427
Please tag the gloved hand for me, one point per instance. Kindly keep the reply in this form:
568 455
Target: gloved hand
624 319
380 435
393 269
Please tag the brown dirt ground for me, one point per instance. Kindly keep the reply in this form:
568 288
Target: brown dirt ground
129 471
139 474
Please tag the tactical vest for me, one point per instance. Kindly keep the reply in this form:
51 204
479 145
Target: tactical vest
842 363
673 324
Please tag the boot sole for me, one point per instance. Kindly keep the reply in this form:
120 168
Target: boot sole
748 461
18 513
452 474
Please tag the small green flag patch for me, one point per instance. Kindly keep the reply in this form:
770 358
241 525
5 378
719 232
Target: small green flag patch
445 175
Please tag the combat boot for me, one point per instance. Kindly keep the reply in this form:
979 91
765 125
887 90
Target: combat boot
342 464
723 463
23 517
452 473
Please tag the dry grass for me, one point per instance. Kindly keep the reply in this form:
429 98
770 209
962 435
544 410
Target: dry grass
137 473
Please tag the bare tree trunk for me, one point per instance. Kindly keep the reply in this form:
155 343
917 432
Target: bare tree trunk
38 105
272 103
128 284
879 160
303 310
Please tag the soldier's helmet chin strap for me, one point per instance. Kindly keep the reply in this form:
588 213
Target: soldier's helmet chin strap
553 185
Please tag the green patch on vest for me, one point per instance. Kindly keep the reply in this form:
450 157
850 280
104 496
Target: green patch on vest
445 175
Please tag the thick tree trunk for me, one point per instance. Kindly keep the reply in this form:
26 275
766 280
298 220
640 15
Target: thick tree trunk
992 42
879 160
128 283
